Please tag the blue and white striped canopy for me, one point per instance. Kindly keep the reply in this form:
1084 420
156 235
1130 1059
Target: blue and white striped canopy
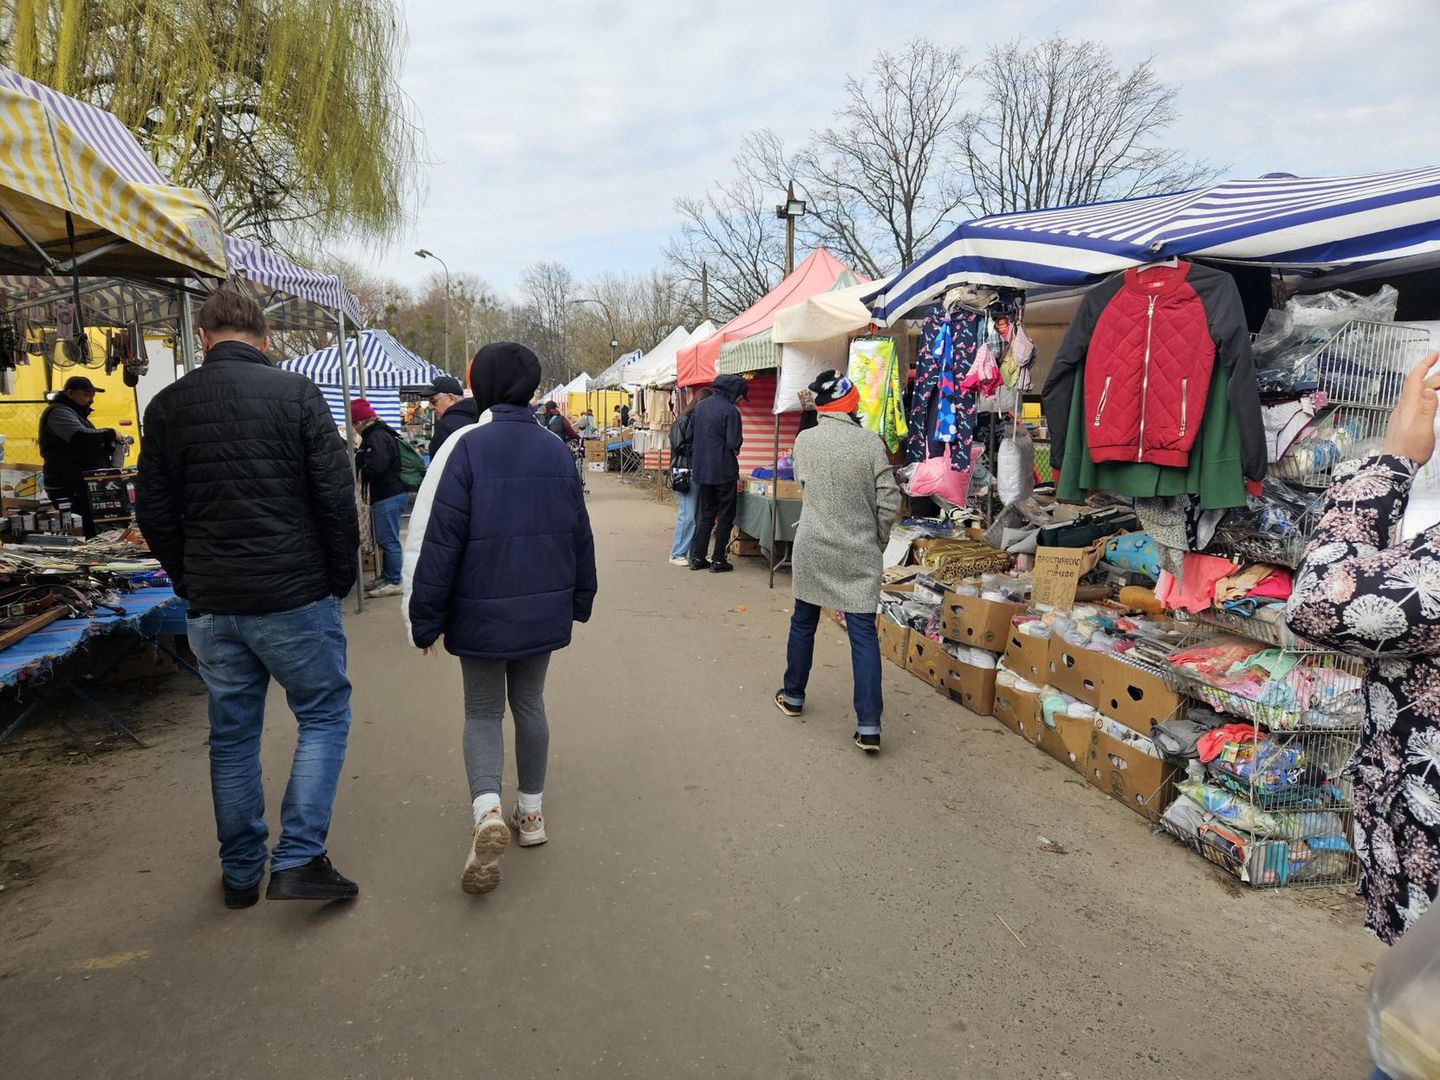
388 366
614 375
293 295
1279 221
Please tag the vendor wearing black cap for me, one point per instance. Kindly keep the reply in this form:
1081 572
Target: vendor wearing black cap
453 410
70 445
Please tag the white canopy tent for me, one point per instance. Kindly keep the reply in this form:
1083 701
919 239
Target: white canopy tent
814 336
643 370
663 371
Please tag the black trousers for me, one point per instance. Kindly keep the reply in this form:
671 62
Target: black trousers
717 514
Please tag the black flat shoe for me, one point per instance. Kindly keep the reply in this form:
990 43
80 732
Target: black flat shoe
699 564
869 743
315 880
721 567
235 899
784 706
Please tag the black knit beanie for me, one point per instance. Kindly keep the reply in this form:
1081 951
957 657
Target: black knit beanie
504 373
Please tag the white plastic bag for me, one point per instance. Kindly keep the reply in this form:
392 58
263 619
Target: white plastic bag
1015 466
1405 1004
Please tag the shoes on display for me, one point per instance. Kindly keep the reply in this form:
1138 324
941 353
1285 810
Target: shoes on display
869 743
529 829
315 880
679 560
385 588
720 566
482 865
785 707
699 564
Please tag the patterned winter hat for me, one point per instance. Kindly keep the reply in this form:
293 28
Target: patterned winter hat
834 393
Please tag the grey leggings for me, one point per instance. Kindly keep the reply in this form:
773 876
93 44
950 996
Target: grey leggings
487 683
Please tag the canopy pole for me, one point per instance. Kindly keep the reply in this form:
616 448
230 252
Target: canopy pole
185 339
775 495
350 452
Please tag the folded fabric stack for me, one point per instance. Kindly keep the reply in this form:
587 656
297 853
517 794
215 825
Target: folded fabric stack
1226 667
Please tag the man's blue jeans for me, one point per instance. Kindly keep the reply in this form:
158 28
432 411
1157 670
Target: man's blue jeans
387 513
685 502
864 663
304 650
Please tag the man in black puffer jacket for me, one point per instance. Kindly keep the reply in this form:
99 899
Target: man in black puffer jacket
246 497
453 410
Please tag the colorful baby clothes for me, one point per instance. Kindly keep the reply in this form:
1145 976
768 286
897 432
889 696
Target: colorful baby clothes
875 370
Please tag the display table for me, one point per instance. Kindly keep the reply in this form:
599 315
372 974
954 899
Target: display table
752 517
59 657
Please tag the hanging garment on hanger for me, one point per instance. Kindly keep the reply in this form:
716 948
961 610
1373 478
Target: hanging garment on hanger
949 341
874 368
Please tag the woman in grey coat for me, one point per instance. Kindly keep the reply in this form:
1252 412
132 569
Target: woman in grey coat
851 500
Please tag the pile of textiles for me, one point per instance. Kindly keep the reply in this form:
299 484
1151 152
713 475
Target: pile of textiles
1315 695
1206 582
1260 860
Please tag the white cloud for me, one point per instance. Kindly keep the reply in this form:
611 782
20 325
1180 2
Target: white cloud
564 129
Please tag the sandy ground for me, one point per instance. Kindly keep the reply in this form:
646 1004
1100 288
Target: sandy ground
726 892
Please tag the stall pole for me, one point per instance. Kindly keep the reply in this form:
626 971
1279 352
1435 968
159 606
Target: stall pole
185 339
350 448
775 496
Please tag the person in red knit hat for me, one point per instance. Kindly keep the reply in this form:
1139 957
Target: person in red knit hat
378 463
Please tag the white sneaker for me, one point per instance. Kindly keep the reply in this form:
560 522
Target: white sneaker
679 560
385 588
482 865
529 829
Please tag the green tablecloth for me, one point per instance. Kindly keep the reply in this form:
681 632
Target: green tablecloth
752 516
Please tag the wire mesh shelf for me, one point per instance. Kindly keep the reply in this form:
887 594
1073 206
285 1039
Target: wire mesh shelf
1267 863
1271 631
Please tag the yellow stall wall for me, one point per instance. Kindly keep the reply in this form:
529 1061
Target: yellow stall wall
604 402
20 420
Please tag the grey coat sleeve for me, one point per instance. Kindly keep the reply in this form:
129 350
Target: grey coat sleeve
887 496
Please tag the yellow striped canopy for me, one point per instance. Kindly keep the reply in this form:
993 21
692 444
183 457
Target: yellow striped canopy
58 156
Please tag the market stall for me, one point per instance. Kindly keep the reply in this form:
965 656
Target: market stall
374 360
1175 685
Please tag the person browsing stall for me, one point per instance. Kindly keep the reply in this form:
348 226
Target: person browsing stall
453 410
850 504
378 463
716 438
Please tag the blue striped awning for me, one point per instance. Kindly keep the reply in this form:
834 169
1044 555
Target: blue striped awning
1280 221
291 294
614 375
388 366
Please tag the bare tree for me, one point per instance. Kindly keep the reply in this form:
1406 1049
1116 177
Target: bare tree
1061 124
547 289
883 180
733 232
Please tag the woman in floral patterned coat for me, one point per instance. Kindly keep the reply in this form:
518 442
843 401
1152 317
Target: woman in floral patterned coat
1362 592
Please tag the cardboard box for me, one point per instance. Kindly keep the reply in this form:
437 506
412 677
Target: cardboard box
1028 657
1136 698
1018 710
787 489
1068 741
594 450
746 547
1128 774
1077 671
984 624
927 660
894 640
970 686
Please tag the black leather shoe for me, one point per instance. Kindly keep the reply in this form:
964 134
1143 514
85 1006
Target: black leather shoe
869 743
699 564
720 566
235 899
316 880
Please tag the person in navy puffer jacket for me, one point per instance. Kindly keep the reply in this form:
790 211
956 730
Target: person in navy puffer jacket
500 561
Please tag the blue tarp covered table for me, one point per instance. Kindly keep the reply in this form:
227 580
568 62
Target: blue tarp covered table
49 657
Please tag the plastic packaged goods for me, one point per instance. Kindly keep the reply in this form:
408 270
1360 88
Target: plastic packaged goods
1015 466
1405 1003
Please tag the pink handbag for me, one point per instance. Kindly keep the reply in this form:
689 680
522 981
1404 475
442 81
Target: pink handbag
935 477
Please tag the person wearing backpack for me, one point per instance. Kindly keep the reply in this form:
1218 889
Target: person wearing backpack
379 461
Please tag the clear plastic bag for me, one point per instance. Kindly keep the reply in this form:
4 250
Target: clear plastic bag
1292 335
1405 1003
1015 466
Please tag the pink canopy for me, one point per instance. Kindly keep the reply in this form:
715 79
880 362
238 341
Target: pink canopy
696 364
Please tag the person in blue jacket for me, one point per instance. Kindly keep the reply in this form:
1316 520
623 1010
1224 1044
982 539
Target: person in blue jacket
500 562
716 438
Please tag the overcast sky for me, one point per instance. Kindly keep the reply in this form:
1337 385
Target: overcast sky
564 129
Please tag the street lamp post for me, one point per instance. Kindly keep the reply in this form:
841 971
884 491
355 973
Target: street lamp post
791 209
425 253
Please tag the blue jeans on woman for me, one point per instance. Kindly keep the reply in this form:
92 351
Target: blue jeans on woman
387 513
864 663
304 651
686 503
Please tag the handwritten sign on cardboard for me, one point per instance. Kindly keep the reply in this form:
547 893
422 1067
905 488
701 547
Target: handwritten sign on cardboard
1058 572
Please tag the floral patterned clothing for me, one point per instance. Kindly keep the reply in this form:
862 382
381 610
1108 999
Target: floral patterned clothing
942 416
1359 593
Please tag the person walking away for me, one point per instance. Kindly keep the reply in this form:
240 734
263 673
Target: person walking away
1362 590
378 463
500 562
715 465
850 504
453 410
246 497
586 424
682 482
71 445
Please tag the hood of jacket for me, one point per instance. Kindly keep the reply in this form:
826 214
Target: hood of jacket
732 387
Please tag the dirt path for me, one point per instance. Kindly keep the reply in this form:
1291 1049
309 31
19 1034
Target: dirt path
726 892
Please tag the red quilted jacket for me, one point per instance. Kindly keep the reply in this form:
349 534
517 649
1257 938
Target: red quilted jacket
1148 342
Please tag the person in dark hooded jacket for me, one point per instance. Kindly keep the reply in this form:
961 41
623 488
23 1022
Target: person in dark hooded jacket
500 561
716 438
